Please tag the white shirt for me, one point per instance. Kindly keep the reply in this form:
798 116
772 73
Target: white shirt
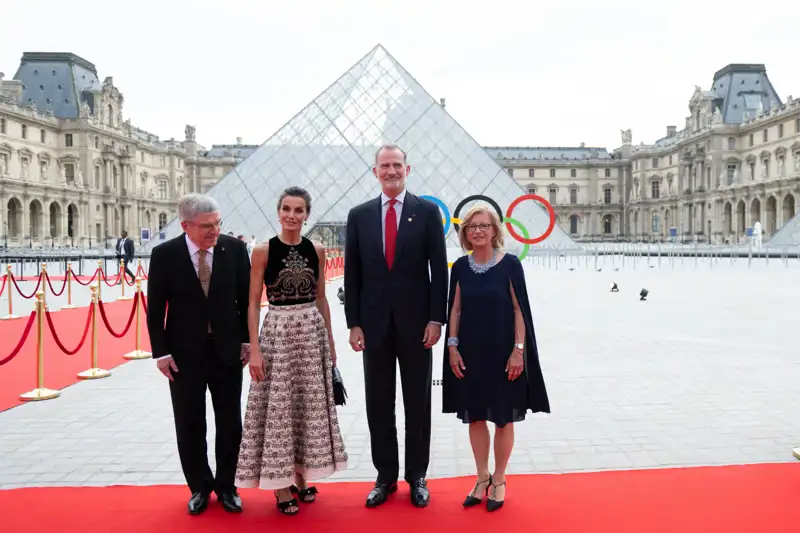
194 254
398 207
122 246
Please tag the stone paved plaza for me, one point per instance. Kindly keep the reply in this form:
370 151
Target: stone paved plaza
704 372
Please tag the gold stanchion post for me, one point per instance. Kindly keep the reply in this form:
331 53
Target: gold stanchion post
94 372
9 292
122 278
100 280
44 287
40 392
138 353
69 288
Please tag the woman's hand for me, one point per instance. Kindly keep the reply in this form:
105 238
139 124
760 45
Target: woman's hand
333 354
258 367
456 363
515 365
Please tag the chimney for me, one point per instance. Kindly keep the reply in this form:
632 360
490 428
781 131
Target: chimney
441 102
671 131
238 140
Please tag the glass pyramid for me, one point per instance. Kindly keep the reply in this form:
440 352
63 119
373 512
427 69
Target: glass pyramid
329 148
788 236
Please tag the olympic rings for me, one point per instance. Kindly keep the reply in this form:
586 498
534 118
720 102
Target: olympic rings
550 210
509 221
473 198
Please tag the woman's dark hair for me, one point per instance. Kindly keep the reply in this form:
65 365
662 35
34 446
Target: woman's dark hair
296 192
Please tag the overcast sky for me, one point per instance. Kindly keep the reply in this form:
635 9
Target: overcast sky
514 72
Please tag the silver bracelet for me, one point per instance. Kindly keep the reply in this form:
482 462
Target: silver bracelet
452 341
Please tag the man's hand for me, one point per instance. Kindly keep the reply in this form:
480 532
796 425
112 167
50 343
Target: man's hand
245 354
356 339
167 366
432 333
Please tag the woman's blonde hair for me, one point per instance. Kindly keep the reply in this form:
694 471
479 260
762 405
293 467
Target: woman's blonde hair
497 240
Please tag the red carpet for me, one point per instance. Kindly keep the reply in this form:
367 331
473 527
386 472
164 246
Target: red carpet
757 498
19 375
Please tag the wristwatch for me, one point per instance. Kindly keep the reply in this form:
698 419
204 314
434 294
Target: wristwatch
519 346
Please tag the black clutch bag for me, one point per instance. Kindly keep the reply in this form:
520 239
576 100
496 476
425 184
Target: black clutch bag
339 392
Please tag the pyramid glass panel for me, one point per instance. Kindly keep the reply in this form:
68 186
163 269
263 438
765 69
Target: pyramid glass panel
788 237
329 148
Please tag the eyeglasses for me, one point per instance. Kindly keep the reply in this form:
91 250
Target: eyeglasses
483 227
208 227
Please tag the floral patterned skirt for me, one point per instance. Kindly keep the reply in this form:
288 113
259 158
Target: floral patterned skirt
290 423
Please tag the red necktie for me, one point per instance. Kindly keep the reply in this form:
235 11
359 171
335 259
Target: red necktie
390 233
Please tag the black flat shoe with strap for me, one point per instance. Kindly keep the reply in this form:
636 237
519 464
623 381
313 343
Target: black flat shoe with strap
493 504
286 507
472 500
307 495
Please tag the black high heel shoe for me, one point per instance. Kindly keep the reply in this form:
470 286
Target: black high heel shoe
471 500
285 507
307 495
492 504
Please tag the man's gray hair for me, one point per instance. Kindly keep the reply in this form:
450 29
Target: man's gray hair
391 148
193 204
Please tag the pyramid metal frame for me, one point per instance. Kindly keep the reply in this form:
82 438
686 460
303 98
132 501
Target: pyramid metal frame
328 148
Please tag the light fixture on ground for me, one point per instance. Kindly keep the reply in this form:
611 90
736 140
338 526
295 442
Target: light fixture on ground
340 295
614 287
796 453
643 295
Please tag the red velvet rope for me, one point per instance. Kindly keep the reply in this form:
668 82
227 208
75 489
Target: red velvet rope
3 287
52 290
58 341
22 340
140 270
130 319
38 284
88 282
105 280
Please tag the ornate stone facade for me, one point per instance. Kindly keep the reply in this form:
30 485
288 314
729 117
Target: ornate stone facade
736 162
75 172
583 184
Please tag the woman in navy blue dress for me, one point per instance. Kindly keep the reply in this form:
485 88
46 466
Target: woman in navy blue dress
491 370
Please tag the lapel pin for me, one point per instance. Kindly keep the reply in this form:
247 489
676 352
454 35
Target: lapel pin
223 248
409 219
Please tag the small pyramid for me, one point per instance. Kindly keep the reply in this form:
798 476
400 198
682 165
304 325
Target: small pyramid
789 235
329 148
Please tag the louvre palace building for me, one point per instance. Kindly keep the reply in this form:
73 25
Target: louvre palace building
75 171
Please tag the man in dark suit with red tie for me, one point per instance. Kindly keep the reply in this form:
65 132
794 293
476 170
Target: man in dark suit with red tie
395 279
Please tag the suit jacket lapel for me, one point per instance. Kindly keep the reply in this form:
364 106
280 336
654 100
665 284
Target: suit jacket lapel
216 261
377 224
188 265
407 220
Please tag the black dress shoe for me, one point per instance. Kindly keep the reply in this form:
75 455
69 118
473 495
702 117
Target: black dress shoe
420 497
231 501
198 502
379 493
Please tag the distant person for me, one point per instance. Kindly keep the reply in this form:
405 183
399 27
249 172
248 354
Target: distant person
395 281
125 252
491 369
203 277
291 429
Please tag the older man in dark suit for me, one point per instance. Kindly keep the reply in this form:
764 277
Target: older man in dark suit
395 280
203 277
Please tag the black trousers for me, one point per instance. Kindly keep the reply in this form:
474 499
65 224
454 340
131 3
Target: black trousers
380 378
188 393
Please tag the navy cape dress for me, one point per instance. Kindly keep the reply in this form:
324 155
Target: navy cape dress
486 340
